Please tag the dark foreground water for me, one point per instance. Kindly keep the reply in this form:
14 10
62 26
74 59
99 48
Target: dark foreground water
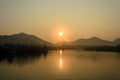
62 65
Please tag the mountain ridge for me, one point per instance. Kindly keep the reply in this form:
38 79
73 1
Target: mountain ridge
23 38
92 41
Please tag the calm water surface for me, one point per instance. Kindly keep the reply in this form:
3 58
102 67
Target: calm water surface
62 65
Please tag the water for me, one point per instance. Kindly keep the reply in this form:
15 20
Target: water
62 65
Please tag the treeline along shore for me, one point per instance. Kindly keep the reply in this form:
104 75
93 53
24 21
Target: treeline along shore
90 48
103 48
10 48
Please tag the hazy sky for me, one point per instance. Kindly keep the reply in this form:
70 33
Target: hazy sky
75 18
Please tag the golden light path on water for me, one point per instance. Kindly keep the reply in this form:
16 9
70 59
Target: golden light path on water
61 60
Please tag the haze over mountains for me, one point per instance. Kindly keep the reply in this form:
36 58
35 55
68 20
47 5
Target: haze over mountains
22 38
93 41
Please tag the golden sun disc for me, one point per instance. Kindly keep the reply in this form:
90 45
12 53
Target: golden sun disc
60 34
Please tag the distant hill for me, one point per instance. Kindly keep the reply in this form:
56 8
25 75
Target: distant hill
117 41
23 38
93 41
63 43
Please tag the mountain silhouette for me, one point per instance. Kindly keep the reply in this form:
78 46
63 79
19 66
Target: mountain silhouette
93 41
23 38
117 41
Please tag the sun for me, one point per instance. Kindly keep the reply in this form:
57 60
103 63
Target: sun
60 34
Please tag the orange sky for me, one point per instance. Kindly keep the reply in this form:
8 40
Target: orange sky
75 18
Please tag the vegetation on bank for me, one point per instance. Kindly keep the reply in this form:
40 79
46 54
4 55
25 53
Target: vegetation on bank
103 48
91 48
10 48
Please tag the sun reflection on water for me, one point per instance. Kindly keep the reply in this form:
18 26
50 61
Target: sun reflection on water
61 60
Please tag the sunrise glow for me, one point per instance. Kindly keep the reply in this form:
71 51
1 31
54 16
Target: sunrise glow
60 34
